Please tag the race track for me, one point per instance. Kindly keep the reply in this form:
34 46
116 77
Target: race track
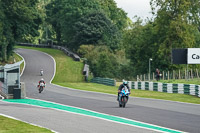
173 115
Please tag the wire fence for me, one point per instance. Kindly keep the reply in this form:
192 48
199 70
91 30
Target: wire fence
169 75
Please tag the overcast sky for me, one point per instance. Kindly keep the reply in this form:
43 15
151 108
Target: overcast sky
140 8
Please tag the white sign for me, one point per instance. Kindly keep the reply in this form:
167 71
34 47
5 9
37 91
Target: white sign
193 56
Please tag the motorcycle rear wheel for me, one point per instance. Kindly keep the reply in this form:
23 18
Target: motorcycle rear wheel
40 89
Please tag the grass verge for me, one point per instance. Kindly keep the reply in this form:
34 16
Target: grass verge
183 81
60 80
16 126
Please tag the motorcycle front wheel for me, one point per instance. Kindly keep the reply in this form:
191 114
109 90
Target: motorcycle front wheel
124 100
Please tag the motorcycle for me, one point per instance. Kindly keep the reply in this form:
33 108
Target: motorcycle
41 72
41 87
123 97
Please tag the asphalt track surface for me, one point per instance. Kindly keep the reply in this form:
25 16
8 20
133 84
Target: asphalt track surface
174 115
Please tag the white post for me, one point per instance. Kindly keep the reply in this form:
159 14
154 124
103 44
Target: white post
150 59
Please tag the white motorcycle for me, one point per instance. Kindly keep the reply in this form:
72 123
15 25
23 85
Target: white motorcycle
41 72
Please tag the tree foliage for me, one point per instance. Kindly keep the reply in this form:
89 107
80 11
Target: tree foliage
19 19
176 21
64 14
97 29
175 25
104 63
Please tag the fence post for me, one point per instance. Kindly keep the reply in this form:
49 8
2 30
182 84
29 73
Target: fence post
163 75
185 74
168 75
197 73
153 76
191 74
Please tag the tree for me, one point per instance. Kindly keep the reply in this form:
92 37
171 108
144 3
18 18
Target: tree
106 63
97 29
63 14
140 44
117 15
19 19
176 21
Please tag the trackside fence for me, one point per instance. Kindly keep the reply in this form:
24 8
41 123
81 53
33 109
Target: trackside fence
190 89
64 49
105 81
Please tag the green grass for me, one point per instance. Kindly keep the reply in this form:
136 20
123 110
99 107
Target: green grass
64 67
9 125
183 81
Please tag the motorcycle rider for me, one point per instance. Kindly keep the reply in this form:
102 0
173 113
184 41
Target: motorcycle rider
41 81
125 83
41 72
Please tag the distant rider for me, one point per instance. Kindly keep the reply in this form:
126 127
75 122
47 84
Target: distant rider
41 72
125 83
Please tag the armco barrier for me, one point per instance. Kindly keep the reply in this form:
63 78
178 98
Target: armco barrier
181 88
175 88
189 89
186 89
164 87
155 86
139 85
142 85
197 90
146 85
105 81
132 85
64 49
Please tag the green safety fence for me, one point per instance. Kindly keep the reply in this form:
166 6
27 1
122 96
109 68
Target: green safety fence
186 88
139 86
146 85
155 86
133 85
197 90
175 88
164 87
105 81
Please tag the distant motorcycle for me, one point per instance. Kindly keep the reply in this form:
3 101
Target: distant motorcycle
123 97
41 87
41 72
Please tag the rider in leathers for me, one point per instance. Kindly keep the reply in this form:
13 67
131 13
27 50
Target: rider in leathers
125 83
41 81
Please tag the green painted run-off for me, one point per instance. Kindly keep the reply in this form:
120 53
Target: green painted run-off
90 113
